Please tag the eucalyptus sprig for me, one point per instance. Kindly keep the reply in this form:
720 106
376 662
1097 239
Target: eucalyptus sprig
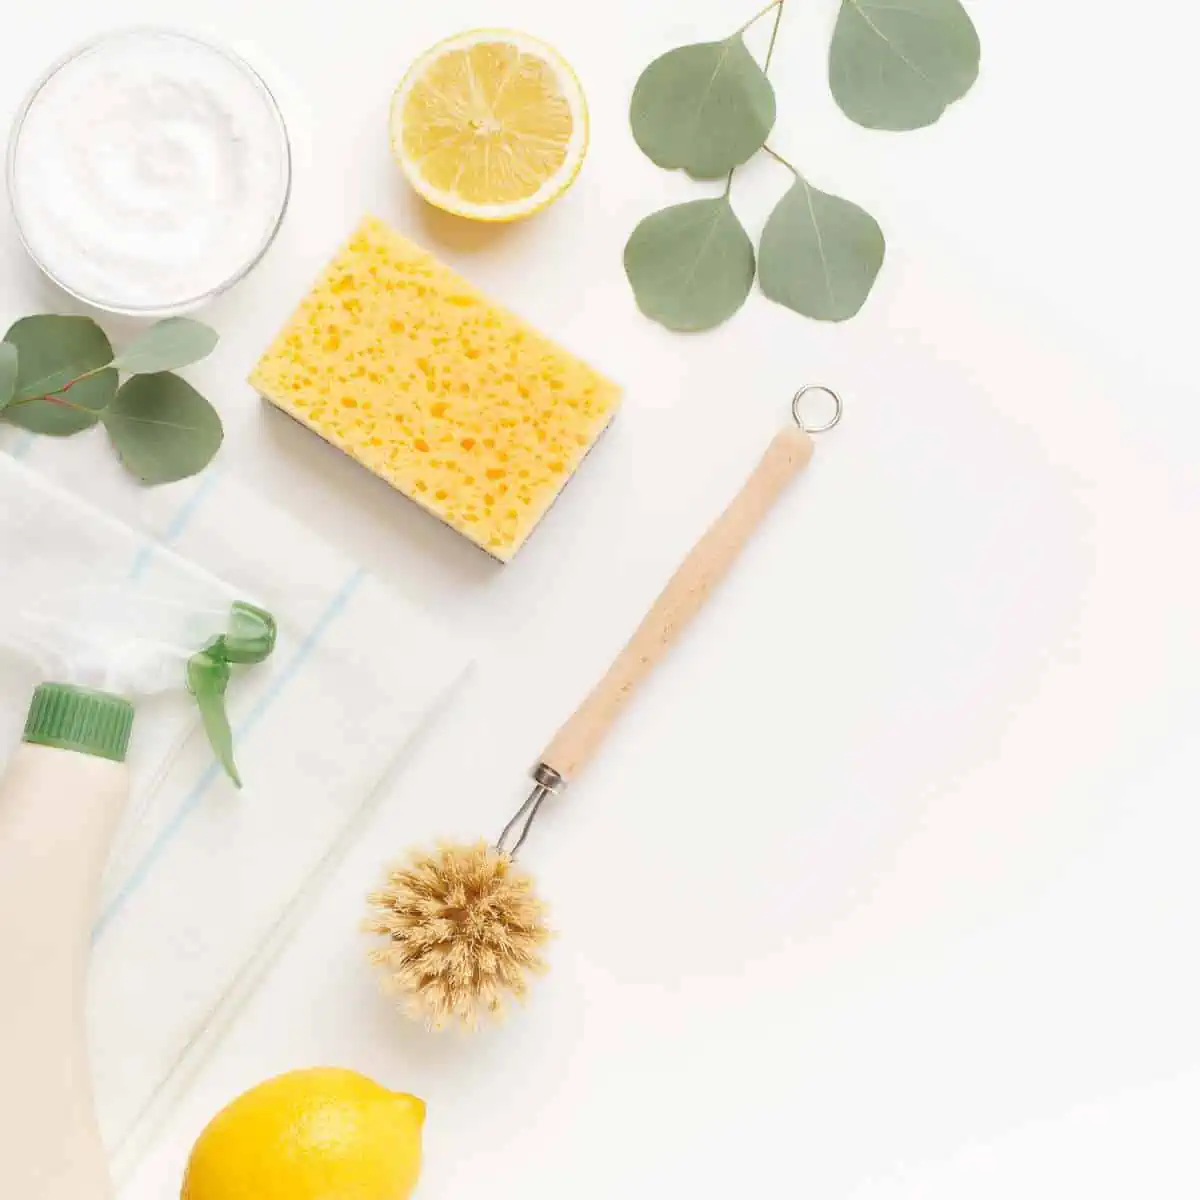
709 108
60 376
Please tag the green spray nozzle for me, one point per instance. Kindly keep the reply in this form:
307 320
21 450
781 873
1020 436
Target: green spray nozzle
249 639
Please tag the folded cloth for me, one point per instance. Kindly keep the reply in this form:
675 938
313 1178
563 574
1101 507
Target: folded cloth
205 882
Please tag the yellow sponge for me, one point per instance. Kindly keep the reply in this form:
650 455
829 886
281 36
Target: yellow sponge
457 403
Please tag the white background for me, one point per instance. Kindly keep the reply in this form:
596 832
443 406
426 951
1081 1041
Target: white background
886 888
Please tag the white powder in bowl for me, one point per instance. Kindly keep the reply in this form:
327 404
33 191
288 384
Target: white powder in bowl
149 172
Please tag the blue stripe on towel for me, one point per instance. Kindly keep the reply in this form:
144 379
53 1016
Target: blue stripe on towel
279 685
176 526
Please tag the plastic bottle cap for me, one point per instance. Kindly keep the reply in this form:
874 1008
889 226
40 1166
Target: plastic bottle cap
73 718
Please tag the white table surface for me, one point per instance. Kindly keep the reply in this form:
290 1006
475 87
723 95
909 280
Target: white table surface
886 889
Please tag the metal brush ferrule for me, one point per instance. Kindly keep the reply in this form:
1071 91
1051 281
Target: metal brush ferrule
547 782
547 777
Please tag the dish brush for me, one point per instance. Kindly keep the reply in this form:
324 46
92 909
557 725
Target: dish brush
463 926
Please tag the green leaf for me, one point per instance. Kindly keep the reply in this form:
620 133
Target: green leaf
8 374
67 412
168 346
53 351
898 64
706 108
52 354
162 428
208 679
691 266
819 254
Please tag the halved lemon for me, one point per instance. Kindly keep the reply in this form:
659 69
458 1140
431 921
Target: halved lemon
490 125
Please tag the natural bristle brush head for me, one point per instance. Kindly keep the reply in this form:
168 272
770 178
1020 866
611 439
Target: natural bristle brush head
464 929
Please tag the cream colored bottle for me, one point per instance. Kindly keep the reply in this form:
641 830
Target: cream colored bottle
60 799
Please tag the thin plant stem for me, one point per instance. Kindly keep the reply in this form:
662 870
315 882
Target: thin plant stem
782 161
59 397
774 36
56 399
758 16
778 6
88 375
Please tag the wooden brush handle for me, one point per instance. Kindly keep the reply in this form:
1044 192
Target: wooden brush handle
709 561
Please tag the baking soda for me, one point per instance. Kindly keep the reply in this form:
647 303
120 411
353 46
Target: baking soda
149 172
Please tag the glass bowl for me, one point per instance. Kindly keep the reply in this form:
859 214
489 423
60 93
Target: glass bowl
42 247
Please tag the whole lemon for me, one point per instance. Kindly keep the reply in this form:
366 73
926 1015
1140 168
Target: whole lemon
321 1134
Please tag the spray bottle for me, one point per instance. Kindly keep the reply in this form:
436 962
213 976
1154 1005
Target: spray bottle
62 795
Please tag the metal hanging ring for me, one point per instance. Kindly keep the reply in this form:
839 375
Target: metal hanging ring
798 416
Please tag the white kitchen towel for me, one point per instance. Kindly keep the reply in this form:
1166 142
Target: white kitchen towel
207 882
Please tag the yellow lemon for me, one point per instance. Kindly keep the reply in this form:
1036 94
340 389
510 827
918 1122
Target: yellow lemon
323 1134
490 125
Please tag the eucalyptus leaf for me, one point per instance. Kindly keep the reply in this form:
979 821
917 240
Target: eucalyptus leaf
208 680
898 64
162 428
692 265
167 346
819 254
706 108
54 351
67 412
8 373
